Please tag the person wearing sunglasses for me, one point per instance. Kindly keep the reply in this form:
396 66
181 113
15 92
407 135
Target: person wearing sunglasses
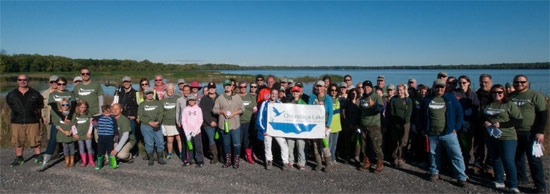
320 97
159 86
260 80
501 114
533 107
248 131
482 162
349 82
90 91
336 123
25 104
140 95
64 129
128 101
45 94
440 119
470 104
53 99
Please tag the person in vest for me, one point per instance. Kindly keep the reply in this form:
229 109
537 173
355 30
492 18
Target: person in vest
441 118
399 115
128 100
533 108
336 124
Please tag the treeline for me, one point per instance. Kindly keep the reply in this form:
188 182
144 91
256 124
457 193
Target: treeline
50 63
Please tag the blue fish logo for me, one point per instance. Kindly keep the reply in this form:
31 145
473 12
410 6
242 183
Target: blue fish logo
292 127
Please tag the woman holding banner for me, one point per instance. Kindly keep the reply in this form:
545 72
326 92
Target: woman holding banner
261 122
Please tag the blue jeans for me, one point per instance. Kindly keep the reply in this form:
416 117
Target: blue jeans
525 147
502 153
135 149
245 127
210 133
234 136
53 140
332 142
152 138
450 143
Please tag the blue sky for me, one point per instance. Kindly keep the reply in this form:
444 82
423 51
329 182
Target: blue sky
282 32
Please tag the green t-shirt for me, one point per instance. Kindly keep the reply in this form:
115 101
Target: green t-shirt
369 116
90 93
150 111
60 137
169 105
436 110
123 124
498 112
529 103
82 124
249 102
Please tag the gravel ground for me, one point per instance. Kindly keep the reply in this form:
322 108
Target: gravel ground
250 178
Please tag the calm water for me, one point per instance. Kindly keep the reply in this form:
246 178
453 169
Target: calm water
540 78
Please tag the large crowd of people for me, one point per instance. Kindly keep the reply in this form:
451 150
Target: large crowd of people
434 126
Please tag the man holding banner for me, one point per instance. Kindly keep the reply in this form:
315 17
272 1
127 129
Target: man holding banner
321 145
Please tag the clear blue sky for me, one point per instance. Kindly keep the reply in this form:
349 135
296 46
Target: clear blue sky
282 33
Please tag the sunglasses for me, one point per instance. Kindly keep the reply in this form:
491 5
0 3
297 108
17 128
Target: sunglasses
158 80
22 80
242 87
498 92
520 82
61 84
348 80
84 73
463 83
253 86
144 84
332 91
52 82
259 80
77 81
439 86
65 104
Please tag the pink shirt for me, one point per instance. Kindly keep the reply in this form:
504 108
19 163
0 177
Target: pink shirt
191 119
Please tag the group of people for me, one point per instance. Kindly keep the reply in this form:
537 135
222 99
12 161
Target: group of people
365 124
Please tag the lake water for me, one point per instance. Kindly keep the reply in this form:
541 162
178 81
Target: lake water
538 78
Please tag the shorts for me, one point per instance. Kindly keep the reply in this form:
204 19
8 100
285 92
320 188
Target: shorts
169 130
29 131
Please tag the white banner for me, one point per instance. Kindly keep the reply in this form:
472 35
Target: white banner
296 121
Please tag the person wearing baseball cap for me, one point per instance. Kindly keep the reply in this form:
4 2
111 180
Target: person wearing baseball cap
150 116
380 82
77 80
443 76
296 92
412 88
319 97
181 84
440 118
229 108
371 106
128 101
210 122
191 121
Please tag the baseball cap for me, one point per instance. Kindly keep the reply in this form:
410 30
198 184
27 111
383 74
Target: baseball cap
148 90
211 85
53 78
320 83
181 81
192 97
391 87
412 80
300 84
380 77
439 82
226 82
442 74
77 78
126 79
343 85
295 89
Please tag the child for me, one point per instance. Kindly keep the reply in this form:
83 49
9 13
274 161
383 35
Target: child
107 132
64 131
191 121
82 125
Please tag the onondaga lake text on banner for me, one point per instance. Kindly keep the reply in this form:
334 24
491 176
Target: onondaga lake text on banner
296 121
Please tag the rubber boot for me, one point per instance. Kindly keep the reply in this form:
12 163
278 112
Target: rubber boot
379 166
214 151
91 160
319 162
249 156
327 160
47 158
99 162
150 158
71 160
366 164
227 161
112 162
357 152
236 161
84 161
268 165
160 159
66 162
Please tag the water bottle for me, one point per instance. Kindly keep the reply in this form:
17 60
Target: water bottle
226 125
217 136
189 145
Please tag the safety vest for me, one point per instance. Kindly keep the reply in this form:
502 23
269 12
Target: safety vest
335 125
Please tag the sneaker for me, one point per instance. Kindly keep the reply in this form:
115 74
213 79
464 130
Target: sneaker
514 190
287 167
200 164
434 177
300 167
497 185
169 158
18 161
186 164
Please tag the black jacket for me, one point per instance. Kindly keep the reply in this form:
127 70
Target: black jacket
206 105
25 109
128 102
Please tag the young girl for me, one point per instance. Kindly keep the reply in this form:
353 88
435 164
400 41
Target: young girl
82 126
64 134
191 121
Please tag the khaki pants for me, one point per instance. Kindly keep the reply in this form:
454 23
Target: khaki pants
124 153
31 132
